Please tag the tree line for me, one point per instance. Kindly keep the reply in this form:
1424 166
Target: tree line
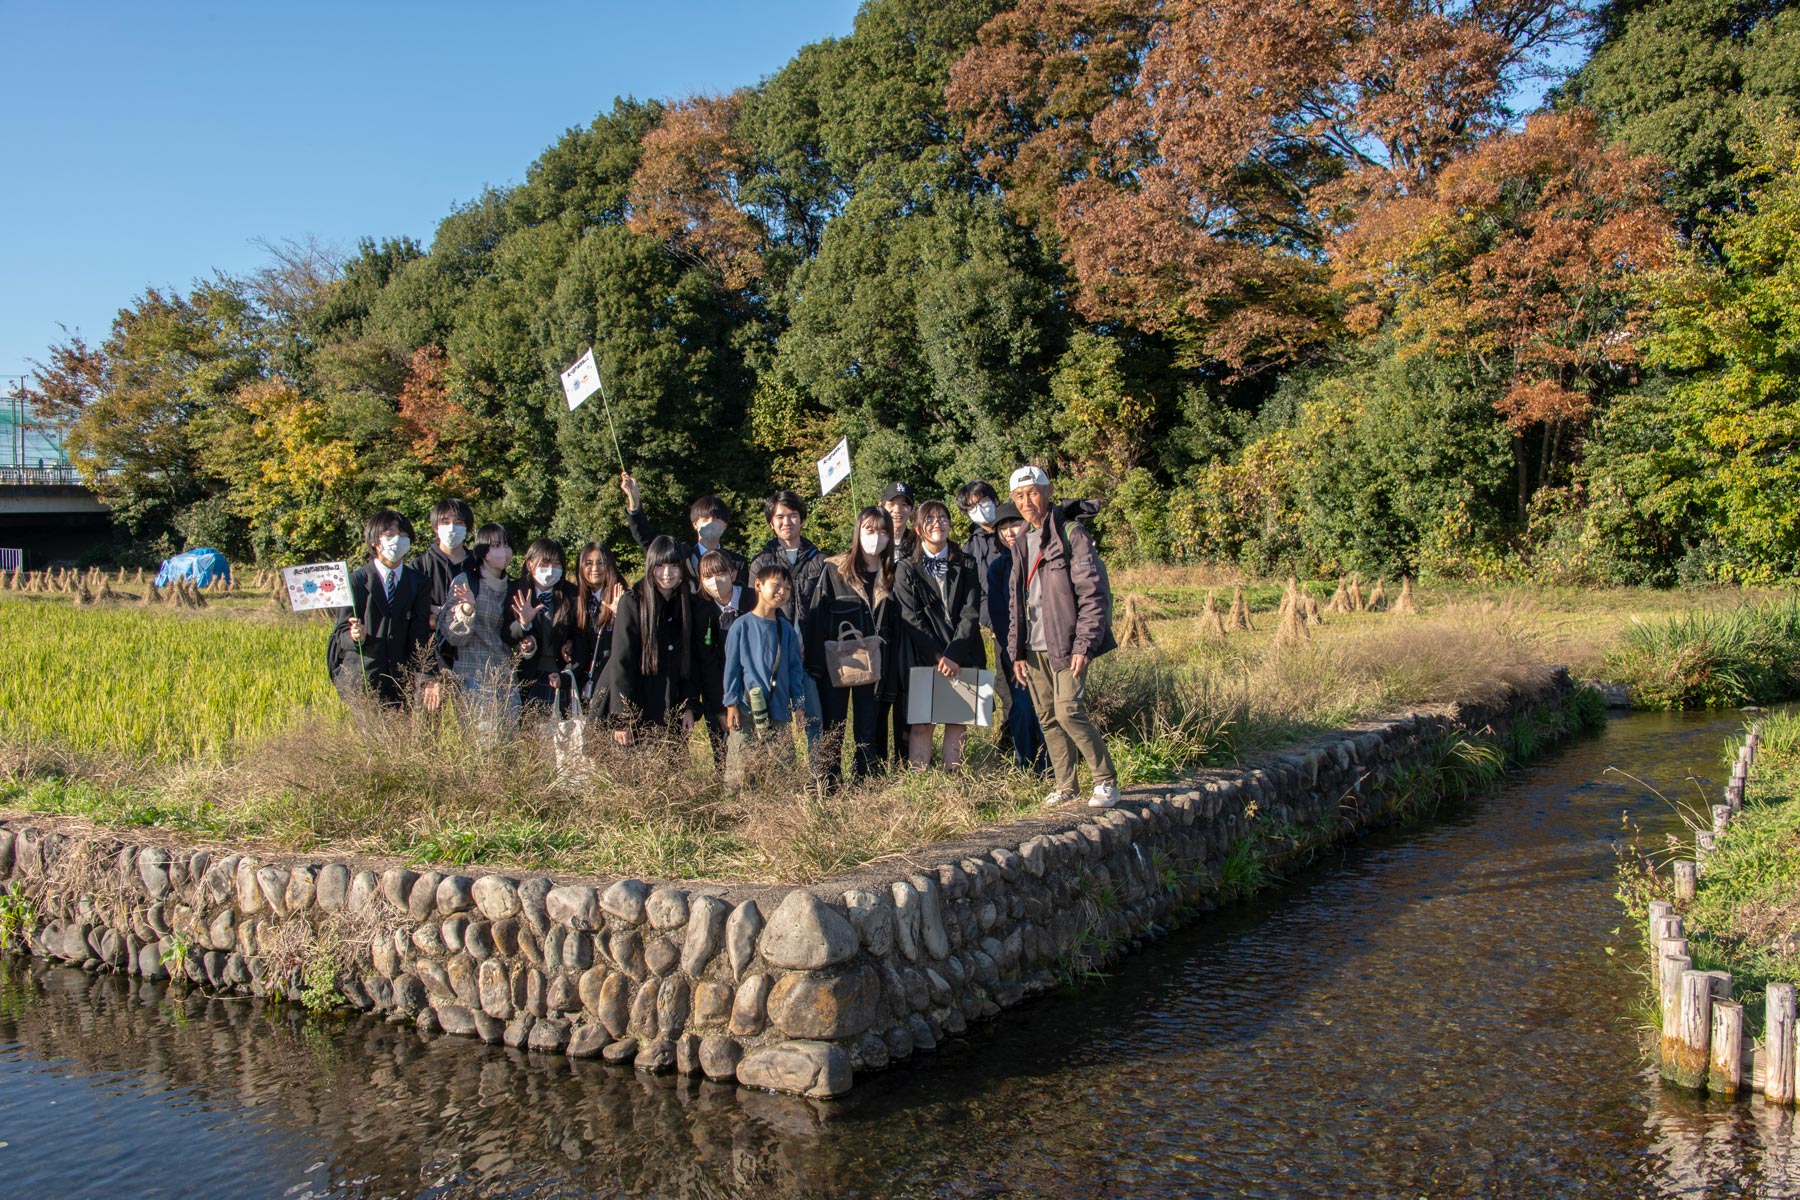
1293 284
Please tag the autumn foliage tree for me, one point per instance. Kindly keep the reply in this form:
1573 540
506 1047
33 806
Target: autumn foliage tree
688 189
1184 152
1520 258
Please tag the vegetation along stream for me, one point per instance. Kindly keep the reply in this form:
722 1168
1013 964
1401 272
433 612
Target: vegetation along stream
1440 1011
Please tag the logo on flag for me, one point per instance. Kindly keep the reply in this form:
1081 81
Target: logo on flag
581 380
834 468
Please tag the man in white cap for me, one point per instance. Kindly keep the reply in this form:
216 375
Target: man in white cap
1061 621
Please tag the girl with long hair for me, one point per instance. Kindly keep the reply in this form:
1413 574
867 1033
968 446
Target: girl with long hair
650 678
855 592
598 586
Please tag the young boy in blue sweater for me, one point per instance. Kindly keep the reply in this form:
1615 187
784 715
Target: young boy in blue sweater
765 675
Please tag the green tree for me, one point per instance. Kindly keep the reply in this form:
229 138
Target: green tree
1711 455
135 413
1681 79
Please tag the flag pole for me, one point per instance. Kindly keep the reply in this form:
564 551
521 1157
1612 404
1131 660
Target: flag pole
600 377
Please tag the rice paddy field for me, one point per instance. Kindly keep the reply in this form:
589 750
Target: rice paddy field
220 721
156 683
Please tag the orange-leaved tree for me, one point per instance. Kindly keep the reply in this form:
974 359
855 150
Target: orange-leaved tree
1182 152
1520 257
688 189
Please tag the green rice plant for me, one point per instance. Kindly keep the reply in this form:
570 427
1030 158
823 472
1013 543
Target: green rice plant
161 685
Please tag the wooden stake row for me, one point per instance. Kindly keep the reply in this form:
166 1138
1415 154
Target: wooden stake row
1703 1045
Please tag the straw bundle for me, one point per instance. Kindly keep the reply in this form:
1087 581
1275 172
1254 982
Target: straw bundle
1340 599
1406 605
1378 597
1212 625
1293 625
1238 620
1135 630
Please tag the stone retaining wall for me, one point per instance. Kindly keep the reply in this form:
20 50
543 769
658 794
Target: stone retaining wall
788 988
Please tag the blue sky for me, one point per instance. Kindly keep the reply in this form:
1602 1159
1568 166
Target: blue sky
151 143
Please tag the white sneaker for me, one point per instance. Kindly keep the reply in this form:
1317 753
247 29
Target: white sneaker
1105 796
1056 798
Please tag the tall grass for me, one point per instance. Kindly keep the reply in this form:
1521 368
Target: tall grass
1713 658
159 684
225 725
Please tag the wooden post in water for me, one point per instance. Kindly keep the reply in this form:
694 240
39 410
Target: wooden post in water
1721 818
1778 1044
1725 1053
1669 973
1685 1056
1686 877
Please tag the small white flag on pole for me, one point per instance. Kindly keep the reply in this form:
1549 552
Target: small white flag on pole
834 468
581 380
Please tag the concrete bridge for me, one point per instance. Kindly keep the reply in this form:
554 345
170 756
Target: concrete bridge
47 513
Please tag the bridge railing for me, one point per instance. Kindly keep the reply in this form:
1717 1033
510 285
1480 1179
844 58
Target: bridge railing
62 475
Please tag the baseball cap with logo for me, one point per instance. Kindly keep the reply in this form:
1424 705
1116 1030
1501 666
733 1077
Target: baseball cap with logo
897 491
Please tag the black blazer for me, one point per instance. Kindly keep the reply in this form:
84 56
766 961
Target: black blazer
946 626
625 692
709 652
552 630
593 646
394 632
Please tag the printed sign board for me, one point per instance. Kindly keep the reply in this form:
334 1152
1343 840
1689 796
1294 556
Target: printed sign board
318 585
834 468
581 380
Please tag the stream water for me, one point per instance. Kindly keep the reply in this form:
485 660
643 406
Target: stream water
1442 1011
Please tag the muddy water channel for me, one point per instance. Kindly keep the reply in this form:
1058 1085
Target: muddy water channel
1433 1012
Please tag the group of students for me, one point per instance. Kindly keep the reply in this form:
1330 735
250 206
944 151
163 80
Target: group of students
706 636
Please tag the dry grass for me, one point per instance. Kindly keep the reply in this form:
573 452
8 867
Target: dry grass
429 790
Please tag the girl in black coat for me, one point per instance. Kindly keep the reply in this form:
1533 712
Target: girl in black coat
940 618
543 626
650 678
599 586
856 589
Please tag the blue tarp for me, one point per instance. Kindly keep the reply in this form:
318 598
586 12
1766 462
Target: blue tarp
201 566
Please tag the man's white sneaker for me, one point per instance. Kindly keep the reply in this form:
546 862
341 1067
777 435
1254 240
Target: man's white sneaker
1105 796
1056 798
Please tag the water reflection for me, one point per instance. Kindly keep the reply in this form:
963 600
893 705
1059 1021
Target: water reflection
1432 1013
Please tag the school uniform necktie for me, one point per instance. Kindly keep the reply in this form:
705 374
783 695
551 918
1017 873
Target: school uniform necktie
392 578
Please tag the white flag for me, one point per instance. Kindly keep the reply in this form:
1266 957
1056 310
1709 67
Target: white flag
581 380
318 585
834 468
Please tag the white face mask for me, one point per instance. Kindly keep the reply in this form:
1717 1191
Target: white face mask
710 530
451 536
874 543
547 577
498 558
392 547
983 513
